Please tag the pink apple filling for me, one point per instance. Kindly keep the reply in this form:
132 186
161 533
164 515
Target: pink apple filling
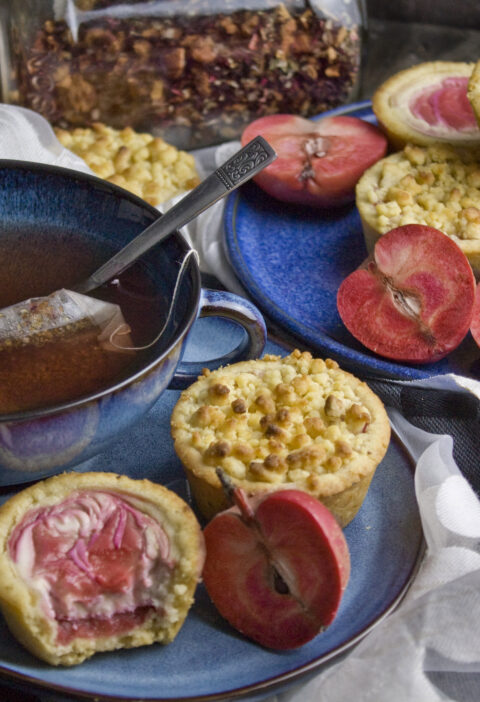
445 105
100 563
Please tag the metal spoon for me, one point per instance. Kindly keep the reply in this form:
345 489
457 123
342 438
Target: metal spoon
242 166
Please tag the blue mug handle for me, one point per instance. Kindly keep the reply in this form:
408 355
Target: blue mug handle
220 303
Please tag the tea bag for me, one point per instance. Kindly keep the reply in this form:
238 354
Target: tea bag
54 349
42 320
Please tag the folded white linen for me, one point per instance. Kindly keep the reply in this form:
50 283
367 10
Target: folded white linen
436 628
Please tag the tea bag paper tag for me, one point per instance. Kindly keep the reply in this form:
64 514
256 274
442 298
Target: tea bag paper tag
115 332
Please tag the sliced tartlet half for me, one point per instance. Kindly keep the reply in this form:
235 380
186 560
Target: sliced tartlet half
426 103
95 562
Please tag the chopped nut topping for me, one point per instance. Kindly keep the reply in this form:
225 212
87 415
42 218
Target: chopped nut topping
239 406
274 462
275 446
243 451
207 415
284 391
282 415
311 455
219 389
358 412
314 426
265 403
273 430
343 448
333 463
300 440
218 449
301 384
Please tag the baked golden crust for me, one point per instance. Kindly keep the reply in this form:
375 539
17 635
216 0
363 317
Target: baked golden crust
23 605
297 422
391 105
436 185
473 92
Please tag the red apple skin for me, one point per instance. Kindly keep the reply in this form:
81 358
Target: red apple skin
475 326
425 267
318 162
295 536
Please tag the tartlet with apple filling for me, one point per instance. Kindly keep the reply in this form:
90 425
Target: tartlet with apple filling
95 562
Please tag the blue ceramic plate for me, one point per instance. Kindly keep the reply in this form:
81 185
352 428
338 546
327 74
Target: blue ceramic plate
291 260
208 659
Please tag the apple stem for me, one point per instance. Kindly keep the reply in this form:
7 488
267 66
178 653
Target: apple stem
236 496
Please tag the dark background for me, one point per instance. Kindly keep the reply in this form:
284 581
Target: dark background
455 13
403 33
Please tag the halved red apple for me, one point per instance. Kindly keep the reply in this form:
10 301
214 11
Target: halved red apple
413 301
276 570
318 162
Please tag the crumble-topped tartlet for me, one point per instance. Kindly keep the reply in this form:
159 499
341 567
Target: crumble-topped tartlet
436 185
293 422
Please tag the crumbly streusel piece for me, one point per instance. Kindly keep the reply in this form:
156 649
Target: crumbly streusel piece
473 92
143 164
280 422
436 185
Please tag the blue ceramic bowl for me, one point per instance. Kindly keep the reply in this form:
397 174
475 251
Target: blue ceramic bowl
47 211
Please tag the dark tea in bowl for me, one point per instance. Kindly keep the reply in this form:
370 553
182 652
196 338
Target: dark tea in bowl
64 399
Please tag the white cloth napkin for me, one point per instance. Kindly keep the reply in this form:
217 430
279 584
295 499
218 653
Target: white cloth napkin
436 628
26 136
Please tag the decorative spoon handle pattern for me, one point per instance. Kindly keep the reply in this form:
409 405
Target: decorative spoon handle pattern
246 163
239 168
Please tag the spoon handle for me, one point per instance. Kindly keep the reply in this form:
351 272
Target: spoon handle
242 166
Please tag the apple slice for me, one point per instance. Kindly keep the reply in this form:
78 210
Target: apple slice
318 162
276 569
414 301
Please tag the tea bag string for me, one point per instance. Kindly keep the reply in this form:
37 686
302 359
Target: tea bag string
124 329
